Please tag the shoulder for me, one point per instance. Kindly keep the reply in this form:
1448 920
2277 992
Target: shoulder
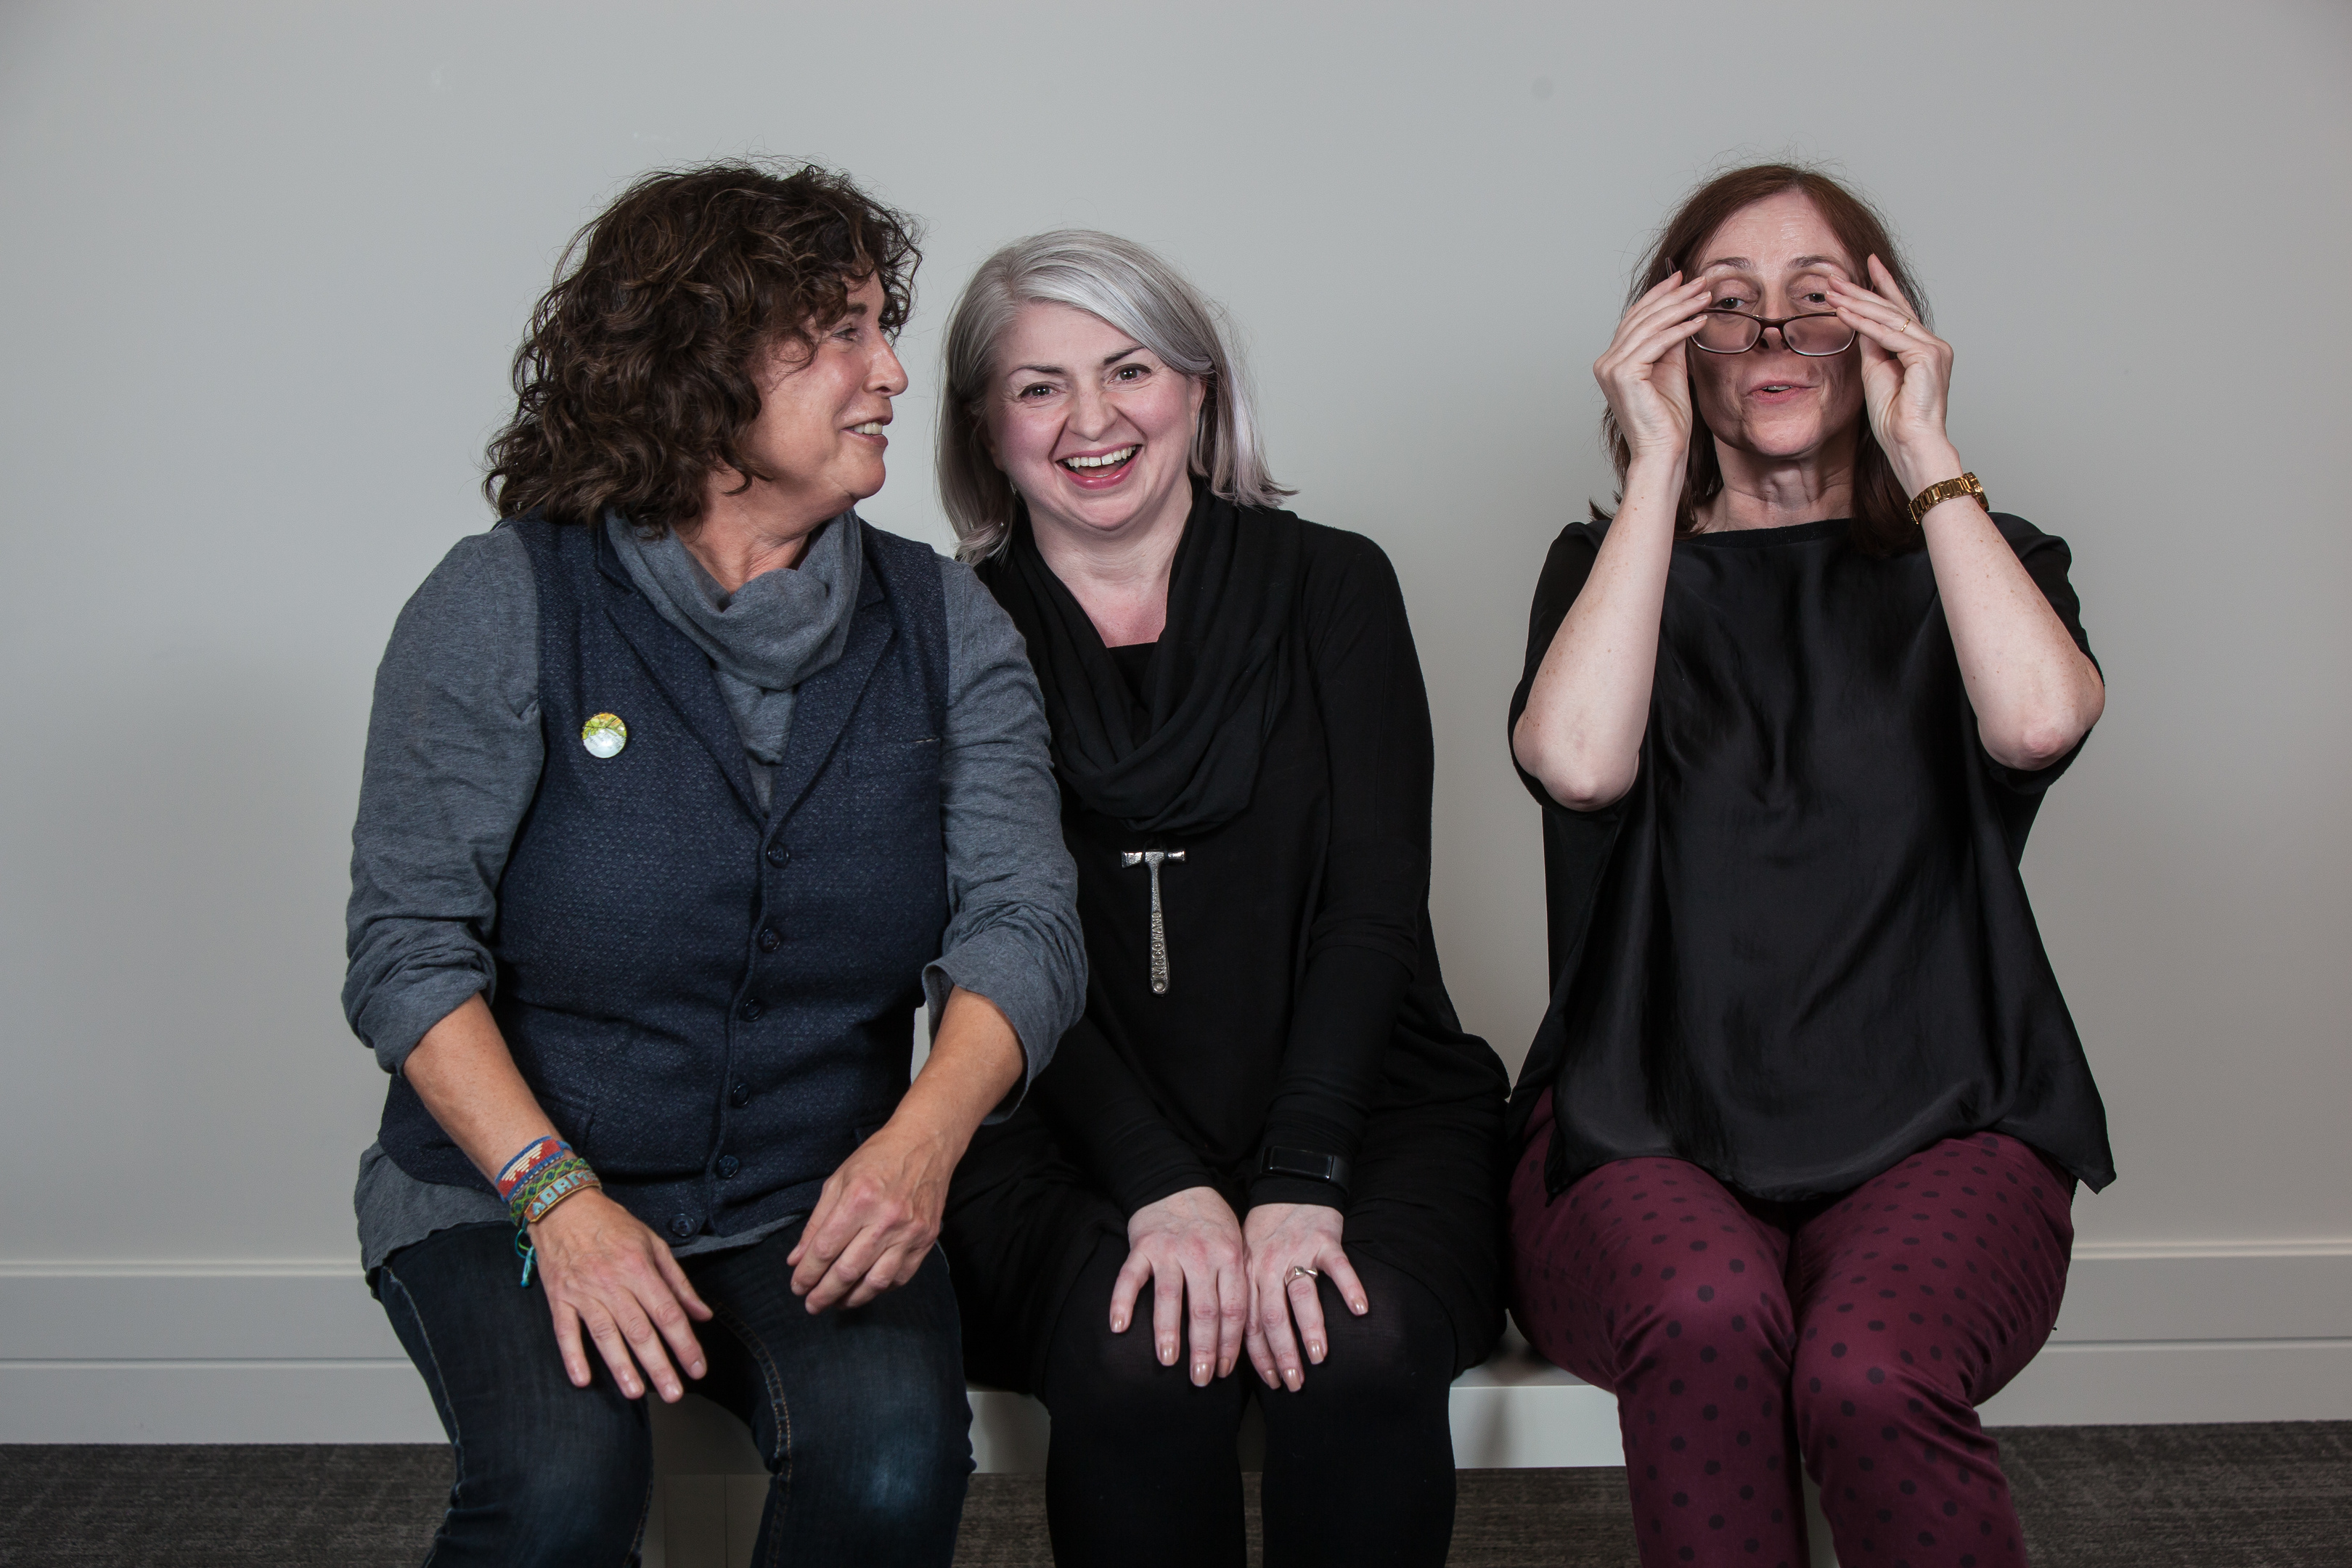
472 627
895 548
973 611
484 583
1578 540
1335 562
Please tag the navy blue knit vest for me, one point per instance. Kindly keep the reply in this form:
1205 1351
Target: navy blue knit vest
713 1005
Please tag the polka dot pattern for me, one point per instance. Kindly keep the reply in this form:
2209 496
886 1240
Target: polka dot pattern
1862 1340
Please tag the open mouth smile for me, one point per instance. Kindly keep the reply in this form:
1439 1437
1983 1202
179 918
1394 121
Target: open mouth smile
1098 469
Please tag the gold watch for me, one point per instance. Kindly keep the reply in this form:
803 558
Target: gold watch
1935 495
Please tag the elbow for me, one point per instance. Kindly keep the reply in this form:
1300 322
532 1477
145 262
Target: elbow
1574 779
2041 740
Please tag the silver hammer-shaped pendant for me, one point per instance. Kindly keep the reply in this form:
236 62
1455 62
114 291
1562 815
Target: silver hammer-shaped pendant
1152 857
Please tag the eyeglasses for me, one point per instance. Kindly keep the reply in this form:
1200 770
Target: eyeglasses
1817 335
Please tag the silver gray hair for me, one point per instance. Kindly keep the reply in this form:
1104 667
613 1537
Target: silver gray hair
1118 282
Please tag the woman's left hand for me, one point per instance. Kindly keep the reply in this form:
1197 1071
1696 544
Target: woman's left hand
879 1212
1282 1240
1906 375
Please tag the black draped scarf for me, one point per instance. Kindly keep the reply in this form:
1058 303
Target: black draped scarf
1186 758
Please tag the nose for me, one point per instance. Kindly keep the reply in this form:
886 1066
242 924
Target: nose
889 375
1091 411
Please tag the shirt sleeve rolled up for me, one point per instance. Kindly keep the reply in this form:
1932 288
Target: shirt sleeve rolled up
454 753
1012 931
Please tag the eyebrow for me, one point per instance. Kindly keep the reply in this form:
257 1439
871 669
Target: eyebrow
1108 360
1745 265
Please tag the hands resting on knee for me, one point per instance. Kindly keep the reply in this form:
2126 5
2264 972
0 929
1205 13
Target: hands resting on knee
1221 1285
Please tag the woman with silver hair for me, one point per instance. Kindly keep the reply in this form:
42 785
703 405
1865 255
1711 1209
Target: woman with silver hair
1268 1135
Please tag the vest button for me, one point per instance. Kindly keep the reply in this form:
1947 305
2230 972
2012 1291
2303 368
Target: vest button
771 939
778 855
728 1165
740 1096
750 1009
681 1225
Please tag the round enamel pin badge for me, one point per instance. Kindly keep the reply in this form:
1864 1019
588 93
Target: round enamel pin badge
604 735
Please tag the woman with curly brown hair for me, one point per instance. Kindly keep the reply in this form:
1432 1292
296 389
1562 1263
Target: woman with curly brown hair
685 787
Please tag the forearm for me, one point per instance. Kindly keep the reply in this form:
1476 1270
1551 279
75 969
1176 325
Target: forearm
975 1061
467 1079
1589 706
1104 1115
2035 693
1331 1070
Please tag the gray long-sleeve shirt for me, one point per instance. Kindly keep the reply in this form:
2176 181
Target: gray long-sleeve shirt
454 756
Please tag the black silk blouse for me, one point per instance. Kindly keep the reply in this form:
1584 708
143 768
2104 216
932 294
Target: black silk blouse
1799 950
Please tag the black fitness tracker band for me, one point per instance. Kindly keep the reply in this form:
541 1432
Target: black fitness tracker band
1305 1162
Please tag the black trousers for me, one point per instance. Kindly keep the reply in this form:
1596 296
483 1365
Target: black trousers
1359 1463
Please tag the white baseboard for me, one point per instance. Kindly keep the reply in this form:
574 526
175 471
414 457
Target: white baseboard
297 1352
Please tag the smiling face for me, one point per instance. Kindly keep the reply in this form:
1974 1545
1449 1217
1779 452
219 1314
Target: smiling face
1769 259
819 431
1093 430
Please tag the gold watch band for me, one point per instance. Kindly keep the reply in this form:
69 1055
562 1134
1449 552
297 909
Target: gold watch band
1935 495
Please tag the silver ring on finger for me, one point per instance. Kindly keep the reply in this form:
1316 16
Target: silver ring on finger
1299 1271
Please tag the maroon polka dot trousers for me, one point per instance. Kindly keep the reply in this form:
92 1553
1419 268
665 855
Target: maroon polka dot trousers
1860 1336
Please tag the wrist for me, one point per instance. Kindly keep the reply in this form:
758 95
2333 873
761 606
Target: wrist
1656 472
1917 468
541 1174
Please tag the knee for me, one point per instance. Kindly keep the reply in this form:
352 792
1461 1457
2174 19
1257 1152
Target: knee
891 1459
1852 1397
1115 1377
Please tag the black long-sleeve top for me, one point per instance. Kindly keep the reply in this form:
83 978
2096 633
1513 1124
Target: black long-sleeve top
1303 989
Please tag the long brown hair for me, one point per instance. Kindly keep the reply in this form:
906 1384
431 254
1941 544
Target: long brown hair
1882 509
635 381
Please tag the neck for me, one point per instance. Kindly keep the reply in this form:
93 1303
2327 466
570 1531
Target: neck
741 535
1763 491
1119 577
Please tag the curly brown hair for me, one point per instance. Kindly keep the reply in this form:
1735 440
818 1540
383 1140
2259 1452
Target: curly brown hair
635 381
1882 507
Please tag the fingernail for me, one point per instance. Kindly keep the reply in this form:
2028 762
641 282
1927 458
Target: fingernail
1292 1379
1315 1352
1200 1372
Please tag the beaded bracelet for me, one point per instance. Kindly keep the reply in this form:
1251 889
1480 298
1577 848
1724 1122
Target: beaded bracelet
557 1180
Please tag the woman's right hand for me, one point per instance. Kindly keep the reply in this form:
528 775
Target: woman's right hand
1642 372
1190 1247
604 1271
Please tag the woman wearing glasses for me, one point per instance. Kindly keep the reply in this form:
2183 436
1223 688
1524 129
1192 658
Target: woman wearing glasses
1799 1136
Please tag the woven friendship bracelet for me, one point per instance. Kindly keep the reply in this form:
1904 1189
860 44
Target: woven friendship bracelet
533 1157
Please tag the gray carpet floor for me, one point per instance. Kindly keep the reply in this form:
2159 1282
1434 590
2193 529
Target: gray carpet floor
2276 1495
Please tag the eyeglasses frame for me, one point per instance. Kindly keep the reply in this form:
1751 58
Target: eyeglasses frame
1763 321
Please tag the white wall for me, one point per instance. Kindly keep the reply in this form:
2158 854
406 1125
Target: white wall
264 265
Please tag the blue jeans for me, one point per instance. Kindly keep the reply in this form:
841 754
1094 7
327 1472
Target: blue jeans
860 1414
